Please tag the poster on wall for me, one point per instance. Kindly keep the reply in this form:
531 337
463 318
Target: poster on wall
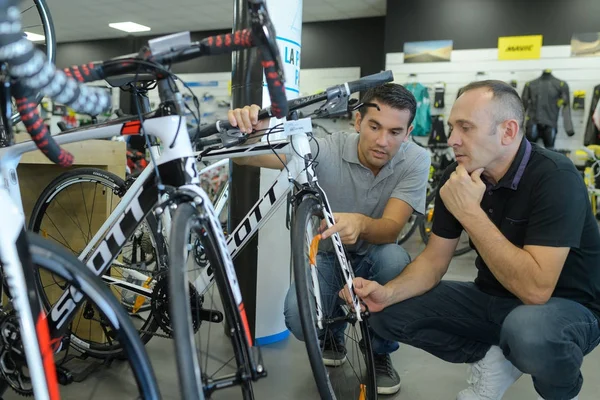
519 47
429 51
585 44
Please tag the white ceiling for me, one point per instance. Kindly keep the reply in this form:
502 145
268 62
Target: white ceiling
76 20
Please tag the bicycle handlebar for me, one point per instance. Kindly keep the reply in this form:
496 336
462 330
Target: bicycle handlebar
343 90
34 74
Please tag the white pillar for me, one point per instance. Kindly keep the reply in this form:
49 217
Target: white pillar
274 237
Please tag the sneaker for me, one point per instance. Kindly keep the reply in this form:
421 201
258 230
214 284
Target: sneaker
490 377
333 353
388 380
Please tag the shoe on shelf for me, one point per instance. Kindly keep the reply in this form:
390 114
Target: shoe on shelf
388 380
490 377
333 353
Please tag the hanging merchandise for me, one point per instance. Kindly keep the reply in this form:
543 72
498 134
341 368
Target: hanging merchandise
543 98
439 92
579 100
438 133
592 131
422 122
596 116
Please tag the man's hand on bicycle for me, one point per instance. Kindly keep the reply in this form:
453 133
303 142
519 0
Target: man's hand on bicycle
246 119
348 225
371 293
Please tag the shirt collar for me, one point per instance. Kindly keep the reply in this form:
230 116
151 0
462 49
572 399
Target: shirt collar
513 176
350 152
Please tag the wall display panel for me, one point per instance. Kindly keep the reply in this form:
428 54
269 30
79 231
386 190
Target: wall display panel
580 73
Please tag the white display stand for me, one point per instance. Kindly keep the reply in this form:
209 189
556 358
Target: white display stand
274 238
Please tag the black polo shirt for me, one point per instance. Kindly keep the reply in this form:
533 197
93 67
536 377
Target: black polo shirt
541 200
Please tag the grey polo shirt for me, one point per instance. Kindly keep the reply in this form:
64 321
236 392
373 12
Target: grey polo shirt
352 187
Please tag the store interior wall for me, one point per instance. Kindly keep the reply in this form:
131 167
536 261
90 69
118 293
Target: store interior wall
477 24
580 73
474 27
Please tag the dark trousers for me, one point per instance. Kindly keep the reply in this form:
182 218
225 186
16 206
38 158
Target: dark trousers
545 132
458 323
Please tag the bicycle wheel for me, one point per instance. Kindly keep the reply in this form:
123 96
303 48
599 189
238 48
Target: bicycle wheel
408 229
426 223
79 201
59 269
357 373
37 20
197 370
38 26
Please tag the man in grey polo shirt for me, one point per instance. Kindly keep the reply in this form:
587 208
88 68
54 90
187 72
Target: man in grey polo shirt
374 180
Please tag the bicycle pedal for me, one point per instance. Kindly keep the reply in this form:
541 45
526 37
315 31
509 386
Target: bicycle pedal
210 315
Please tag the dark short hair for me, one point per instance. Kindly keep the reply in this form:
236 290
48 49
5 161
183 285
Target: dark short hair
392 95
505 95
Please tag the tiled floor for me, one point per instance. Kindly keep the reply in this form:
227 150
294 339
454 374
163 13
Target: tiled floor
424 377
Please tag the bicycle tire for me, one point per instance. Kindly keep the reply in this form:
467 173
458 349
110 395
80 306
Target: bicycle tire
50 44
48 26
423 226
412 222
308 208
186 219
116 184
60 262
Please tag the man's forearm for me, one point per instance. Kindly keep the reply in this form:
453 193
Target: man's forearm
417 278
514 268
379 231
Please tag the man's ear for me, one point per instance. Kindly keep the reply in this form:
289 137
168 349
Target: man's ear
510 131
357 122
410 129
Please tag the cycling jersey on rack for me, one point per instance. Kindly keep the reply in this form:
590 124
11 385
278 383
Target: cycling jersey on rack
543 98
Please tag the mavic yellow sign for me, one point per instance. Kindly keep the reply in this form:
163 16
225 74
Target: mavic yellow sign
519 47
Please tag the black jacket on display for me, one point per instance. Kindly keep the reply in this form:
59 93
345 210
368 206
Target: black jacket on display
543 98
592 135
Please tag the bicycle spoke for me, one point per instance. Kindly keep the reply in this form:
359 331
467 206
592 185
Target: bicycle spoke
66 242
27 9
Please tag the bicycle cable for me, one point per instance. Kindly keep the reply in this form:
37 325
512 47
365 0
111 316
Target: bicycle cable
137 92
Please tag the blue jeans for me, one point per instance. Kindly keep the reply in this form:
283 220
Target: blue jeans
457 322
382 263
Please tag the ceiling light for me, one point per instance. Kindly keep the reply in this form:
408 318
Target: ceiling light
129 26
34 37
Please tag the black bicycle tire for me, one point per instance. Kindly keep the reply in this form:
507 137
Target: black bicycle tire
423 229
50 35
108 179
49 31
308 208
415 223
61 262
190 384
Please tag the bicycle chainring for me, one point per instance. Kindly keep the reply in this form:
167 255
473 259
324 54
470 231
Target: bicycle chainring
160 304
13 365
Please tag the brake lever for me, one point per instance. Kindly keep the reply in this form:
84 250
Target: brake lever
232 137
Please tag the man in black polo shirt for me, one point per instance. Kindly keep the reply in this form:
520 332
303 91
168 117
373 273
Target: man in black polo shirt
535 303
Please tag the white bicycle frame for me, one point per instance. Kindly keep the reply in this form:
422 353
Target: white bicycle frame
13 223
297 150
98 255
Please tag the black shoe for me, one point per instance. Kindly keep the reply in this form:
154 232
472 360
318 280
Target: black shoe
388 380
334 354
